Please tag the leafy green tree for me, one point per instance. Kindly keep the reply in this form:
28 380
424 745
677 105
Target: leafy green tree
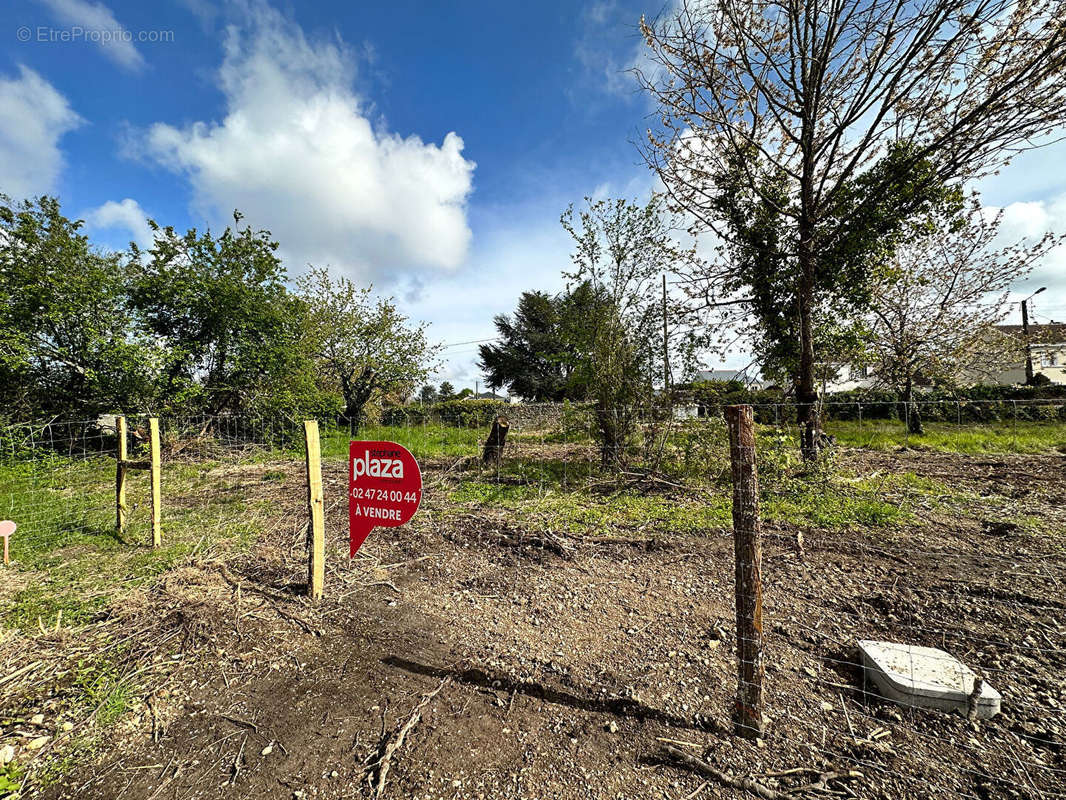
542 346
68 342
464 393
447 392
362 344
622 250
428 394
232 331
752 290
809 97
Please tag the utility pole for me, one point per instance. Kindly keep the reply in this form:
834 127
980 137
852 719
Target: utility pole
1028 345
1025 335
666 347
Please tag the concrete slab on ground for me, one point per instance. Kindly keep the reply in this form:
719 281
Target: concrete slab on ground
925 677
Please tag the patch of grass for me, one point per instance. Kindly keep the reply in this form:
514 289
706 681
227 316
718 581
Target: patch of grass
486 493
10 781
42 604
74 753
103 691
424 441
66 535
59 503
836 502
1006 436
835 507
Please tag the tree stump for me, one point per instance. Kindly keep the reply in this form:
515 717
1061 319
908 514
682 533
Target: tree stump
493 449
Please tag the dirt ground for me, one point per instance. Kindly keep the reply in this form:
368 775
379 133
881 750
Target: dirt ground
561 674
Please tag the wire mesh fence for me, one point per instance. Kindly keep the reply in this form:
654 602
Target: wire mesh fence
609 560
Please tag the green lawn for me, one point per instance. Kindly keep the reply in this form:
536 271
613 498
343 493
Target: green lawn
65 511
839 502
424 441
1000 437
69 566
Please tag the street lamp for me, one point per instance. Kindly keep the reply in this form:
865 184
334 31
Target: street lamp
1025 336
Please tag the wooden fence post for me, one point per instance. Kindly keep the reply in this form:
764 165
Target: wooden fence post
120 477
316 570
747 544
157 499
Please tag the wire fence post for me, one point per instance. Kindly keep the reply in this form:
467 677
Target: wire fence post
120 476
157 499
316 569
747 544
1014 425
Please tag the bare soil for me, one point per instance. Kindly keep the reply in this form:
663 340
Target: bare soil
562 673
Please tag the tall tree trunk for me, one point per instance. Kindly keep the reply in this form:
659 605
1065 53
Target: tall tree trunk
807 414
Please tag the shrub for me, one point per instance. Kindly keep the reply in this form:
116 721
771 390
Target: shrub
466 413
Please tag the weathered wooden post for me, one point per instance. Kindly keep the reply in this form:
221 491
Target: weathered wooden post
316 568
493 449
157 499
747 545
120 477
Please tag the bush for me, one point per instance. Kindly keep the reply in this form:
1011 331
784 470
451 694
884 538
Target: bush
982 403
713 396
468 413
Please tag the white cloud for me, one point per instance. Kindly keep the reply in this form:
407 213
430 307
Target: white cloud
1031 175
203 10
609 66
100 26
523 248
33 118
297 153
1030 220
126 216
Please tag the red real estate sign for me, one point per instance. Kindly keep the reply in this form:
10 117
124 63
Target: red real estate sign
384 488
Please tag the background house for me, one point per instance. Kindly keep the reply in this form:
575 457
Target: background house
748 376
849 377
1048 343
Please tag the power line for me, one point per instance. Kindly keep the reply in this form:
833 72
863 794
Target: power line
472 341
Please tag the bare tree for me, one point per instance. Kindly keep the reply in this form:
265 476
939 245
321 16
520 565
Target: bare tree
622 249
934 312
809 96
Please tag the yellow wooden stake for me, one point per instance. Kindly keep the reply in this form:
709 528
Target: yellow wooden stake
120 477
157 500
316 570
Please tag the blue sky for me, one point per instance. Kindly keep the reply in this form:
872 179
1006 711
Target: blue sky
429 148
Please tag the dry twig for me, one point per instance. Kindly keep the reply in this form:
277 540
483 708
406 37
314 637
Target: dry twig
390 746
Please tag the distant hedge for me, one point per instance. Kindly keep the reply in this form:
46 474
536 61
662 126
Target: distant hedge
466 413
970 404
982 403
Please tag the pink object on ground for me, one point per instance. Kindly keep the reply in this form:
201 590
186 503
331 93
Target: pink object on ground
7 527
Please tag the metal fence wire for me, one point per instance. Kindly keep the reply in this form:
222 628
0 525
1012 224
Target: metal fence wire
608 560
